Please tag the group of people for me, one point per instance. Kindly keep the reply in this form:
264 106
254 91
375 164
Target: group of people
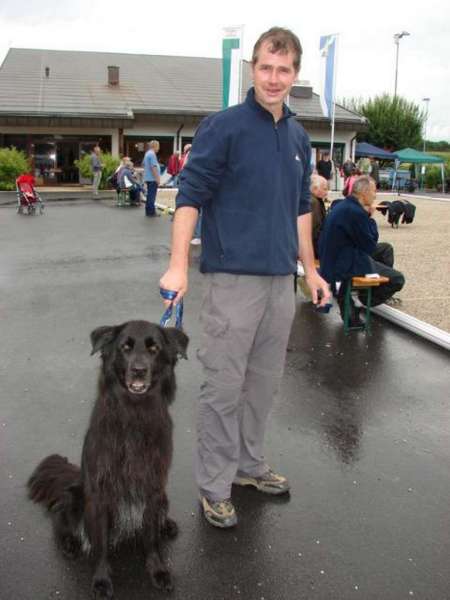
345 240
126 178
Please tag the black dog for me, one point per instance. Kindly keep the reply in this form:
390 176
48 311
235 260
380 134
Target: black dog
119 491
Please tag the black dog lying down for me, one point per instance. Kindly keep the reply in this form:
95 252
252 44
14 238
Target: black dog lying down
119 492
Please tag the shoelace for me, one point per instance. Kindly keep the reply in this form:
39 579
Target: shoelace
223 506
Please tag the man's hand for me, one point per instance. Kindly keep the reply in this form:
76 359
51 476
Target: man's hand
174 280
318 285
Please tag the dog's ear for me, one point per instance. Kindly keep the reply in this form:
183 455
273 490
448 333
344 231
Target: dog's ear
102 336
178 340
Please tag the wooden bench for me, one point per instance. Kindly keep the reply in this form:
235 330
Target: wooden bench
361 283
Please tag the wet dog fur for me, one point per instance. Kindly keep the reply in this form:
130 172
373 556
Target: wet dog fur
119 492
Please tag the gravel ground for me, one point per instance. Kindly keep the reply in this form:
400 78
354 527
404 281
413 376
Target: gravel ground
422 253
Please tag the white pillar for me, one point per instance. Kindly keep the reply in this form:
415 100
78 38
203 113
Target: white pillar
115 142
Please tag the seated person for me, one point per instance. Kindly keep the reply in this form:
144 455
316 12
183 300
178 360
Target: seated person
319 192
128 180
348 242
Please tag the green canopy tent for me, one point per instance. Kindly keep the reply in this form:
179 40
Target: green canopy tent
409 155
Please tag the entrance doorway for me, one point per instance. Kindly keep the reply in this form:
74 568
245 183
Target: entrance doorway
66 154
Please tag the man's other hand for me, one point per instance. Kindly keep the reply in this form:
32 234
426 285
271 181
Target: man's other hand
318 286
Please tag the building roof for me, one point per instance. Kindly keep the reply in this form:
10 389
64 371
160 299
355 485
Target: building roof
77 86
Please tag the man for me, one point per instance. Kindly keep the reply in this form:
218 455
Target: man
348 168
184 157
348 241
252 219
173 168
127 181
96 166
375 171
319 192
325 167
152 177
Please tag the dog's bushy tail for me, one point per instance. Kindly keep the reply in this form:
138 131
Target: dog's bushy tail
53 480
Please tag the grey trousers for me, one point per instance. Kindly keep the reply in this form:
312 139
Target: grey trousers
246 322
96 182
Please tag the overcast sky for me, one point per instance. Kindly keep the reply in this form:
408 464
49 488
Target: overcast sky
366 61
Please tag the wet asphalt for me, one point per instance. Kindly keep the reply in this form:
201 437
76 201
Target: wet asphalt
361 428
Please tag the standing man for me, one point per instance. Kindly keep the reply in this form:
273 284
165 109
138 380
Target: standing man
253 219
319 193
152 177
96 166
173 168
325 168
375 171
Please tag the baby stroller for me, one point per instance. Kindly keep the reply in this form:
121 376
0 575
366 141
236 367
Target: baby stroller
28 200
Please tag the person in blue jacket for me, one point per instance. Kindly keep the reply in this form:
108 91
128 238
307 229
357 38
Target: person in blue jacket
152 177
249 173
348 245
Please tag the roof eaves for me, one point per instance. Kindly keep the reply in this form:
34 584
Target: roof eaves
68 115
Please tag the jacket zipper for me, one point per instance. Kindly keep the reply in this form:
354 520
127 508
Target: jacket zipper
277 135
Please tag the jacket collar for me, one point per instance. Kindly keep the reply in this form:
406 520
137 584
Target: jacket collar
355 201
255 105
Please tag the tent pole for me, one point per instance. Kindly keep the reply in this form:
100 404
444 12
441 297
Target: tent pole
394 179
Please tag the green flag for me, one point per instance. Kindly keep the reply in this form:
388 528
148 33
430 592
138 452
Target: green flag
231 66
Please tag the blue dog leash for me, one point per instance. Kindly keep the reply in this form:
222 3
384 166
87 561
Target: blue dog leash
170 295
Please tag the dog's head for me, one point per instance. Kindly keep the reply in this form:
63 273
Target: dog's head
139 353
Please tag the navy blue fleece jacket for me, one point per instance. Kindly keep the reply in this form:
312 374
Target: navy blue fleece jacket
250 176
348 239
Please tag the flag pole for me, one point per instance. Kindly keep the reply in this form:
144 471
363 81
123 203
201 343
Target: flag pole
333 112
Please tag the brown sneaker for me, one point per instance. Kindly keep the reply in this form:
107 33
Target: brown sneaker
219 513
269 482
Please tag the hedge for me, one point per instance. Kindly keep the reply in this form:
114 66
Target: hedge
13 163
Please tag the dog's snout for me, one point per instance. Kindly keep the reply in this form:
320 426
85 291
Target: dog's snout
139 371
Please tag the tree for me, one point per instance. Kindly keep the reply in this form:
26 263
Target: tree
393 122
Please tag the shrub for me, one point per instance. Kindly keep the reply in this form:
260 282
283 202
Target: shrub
13 163
109 162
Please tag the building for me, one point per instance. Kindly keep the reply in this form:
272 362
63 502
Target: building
56 105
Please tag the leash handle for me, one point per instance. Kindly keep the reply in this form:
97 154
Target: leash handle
165 319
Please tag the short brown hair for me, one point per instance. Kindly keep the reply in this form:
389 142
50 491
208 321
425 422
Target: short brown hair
282 41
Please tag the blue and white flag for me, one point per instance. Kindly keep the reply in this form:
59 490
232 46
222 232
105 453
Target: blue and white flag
327 67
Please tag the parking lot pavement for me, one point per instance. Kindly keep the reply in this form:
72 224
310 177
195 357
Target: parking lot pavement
360 428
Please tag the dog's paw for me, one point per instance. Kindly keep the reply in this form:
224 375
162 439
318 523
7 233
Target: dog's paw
162 580
102 588
170 528
70 546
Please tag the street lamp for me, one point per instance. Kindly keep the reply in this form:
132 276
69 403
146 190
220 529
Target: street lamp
397 38
427 101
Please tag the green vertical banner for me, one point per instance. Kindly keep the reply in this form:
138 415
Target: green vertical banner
231 66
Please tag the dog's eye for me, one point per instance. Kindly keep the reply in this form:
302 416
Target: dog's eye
153 349
128 346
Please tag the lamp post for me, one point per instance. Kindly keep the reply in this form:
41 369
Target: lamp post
397 38
427 102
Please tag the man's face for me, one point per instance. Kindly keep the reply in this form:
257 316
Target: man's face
273 76
370 196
